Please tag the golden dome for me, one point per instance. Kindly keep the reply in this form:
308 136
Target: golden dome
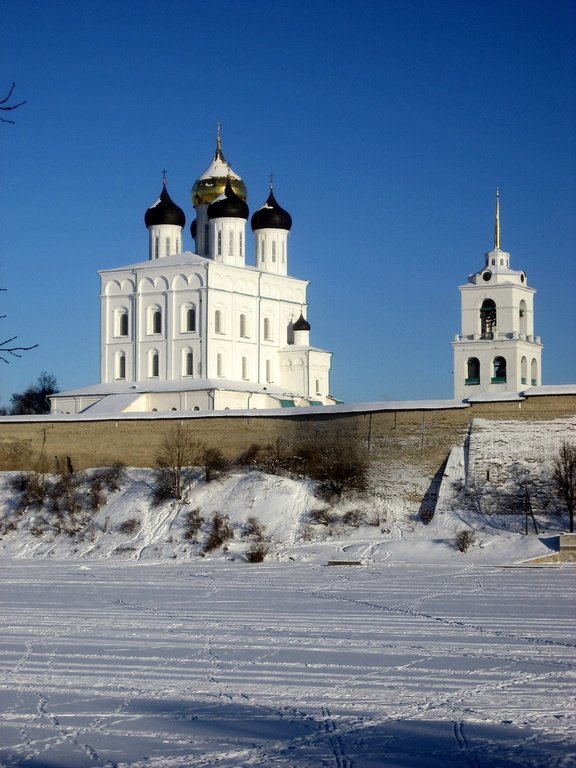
212 183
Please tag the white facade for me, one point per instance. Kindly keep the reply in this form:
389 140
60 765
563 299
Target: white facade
206 331
496 350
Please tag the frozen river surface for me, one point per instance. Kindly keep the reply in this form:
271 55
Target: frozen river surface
296 665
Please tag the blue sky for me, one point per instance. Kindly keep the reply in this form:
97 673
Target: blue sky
387 125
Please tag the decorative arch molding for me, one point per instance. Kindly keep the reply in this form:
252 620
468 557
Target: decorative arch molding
113 288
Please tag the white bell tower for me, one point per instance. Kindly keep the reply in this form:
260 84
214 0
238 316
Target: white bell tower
496 350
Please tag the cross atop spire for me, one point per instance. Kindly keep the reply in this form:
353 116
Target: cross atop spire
218 154
271 181
164 176
497 221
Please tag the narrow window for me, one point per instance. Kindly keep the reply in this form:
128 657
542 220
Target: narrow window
121 366
524 371
317 386
243 333
218 321
167 246
244 368
219 242
534 372
156 246
262 251
231 244
123 324
154 365
206 239
190 324
189 364
241 244
219 368
268 371
473 371
156 321
283 251
267 329
273 250
499 370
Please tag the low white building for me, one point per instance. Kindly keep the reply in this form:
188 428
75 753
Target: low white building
497 350
206 331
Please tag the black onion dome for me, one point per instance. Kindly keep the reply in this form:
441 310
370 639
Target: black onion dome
229 206
164 211
271 216
301 324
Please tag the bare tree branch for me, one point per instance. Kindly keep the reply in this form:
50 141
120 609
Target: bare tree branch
6 107
14 351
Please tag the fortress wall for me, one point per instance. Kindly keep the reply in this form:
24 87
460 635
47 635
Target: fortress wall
410 445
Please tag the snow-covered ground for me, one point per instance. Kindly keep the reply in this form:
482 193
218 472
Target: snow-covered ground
122 646
219 663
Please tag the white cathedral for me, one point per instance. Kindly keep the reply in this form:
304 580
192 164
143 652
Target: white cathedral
206 331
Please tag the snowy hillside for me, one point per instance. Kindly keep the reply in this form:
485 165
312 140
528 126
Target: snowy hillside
130 526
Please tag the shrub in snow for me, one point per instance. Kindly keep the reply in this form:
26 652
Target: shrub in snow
340 465
354 518
257 551
220 532
212 462
323 516
33 487
129 527
464 539
253 528
192 523
112 477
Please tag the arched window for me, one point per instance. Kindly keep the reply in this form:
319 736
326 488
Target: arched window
244 368
219 240
122 323
121 365
523 318
524 370
534 372
219 366
189 319
499 376
154 365
488 319
155 321
206 239
156 246
243 332
218 321
188 364
473 371
269 378
267 336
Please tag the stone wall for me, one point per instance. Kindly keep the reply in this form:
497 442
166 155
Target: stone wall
410 444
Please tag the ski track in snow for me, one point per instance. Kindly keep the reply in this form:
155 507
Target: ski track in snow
224 665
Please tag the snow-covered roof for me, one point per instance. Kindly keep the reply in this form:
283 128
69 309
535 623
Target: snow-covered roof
494 397
551 389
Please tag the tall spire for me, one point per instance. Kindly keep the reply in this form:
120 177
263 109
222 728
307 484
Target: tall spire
497 222
218 154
